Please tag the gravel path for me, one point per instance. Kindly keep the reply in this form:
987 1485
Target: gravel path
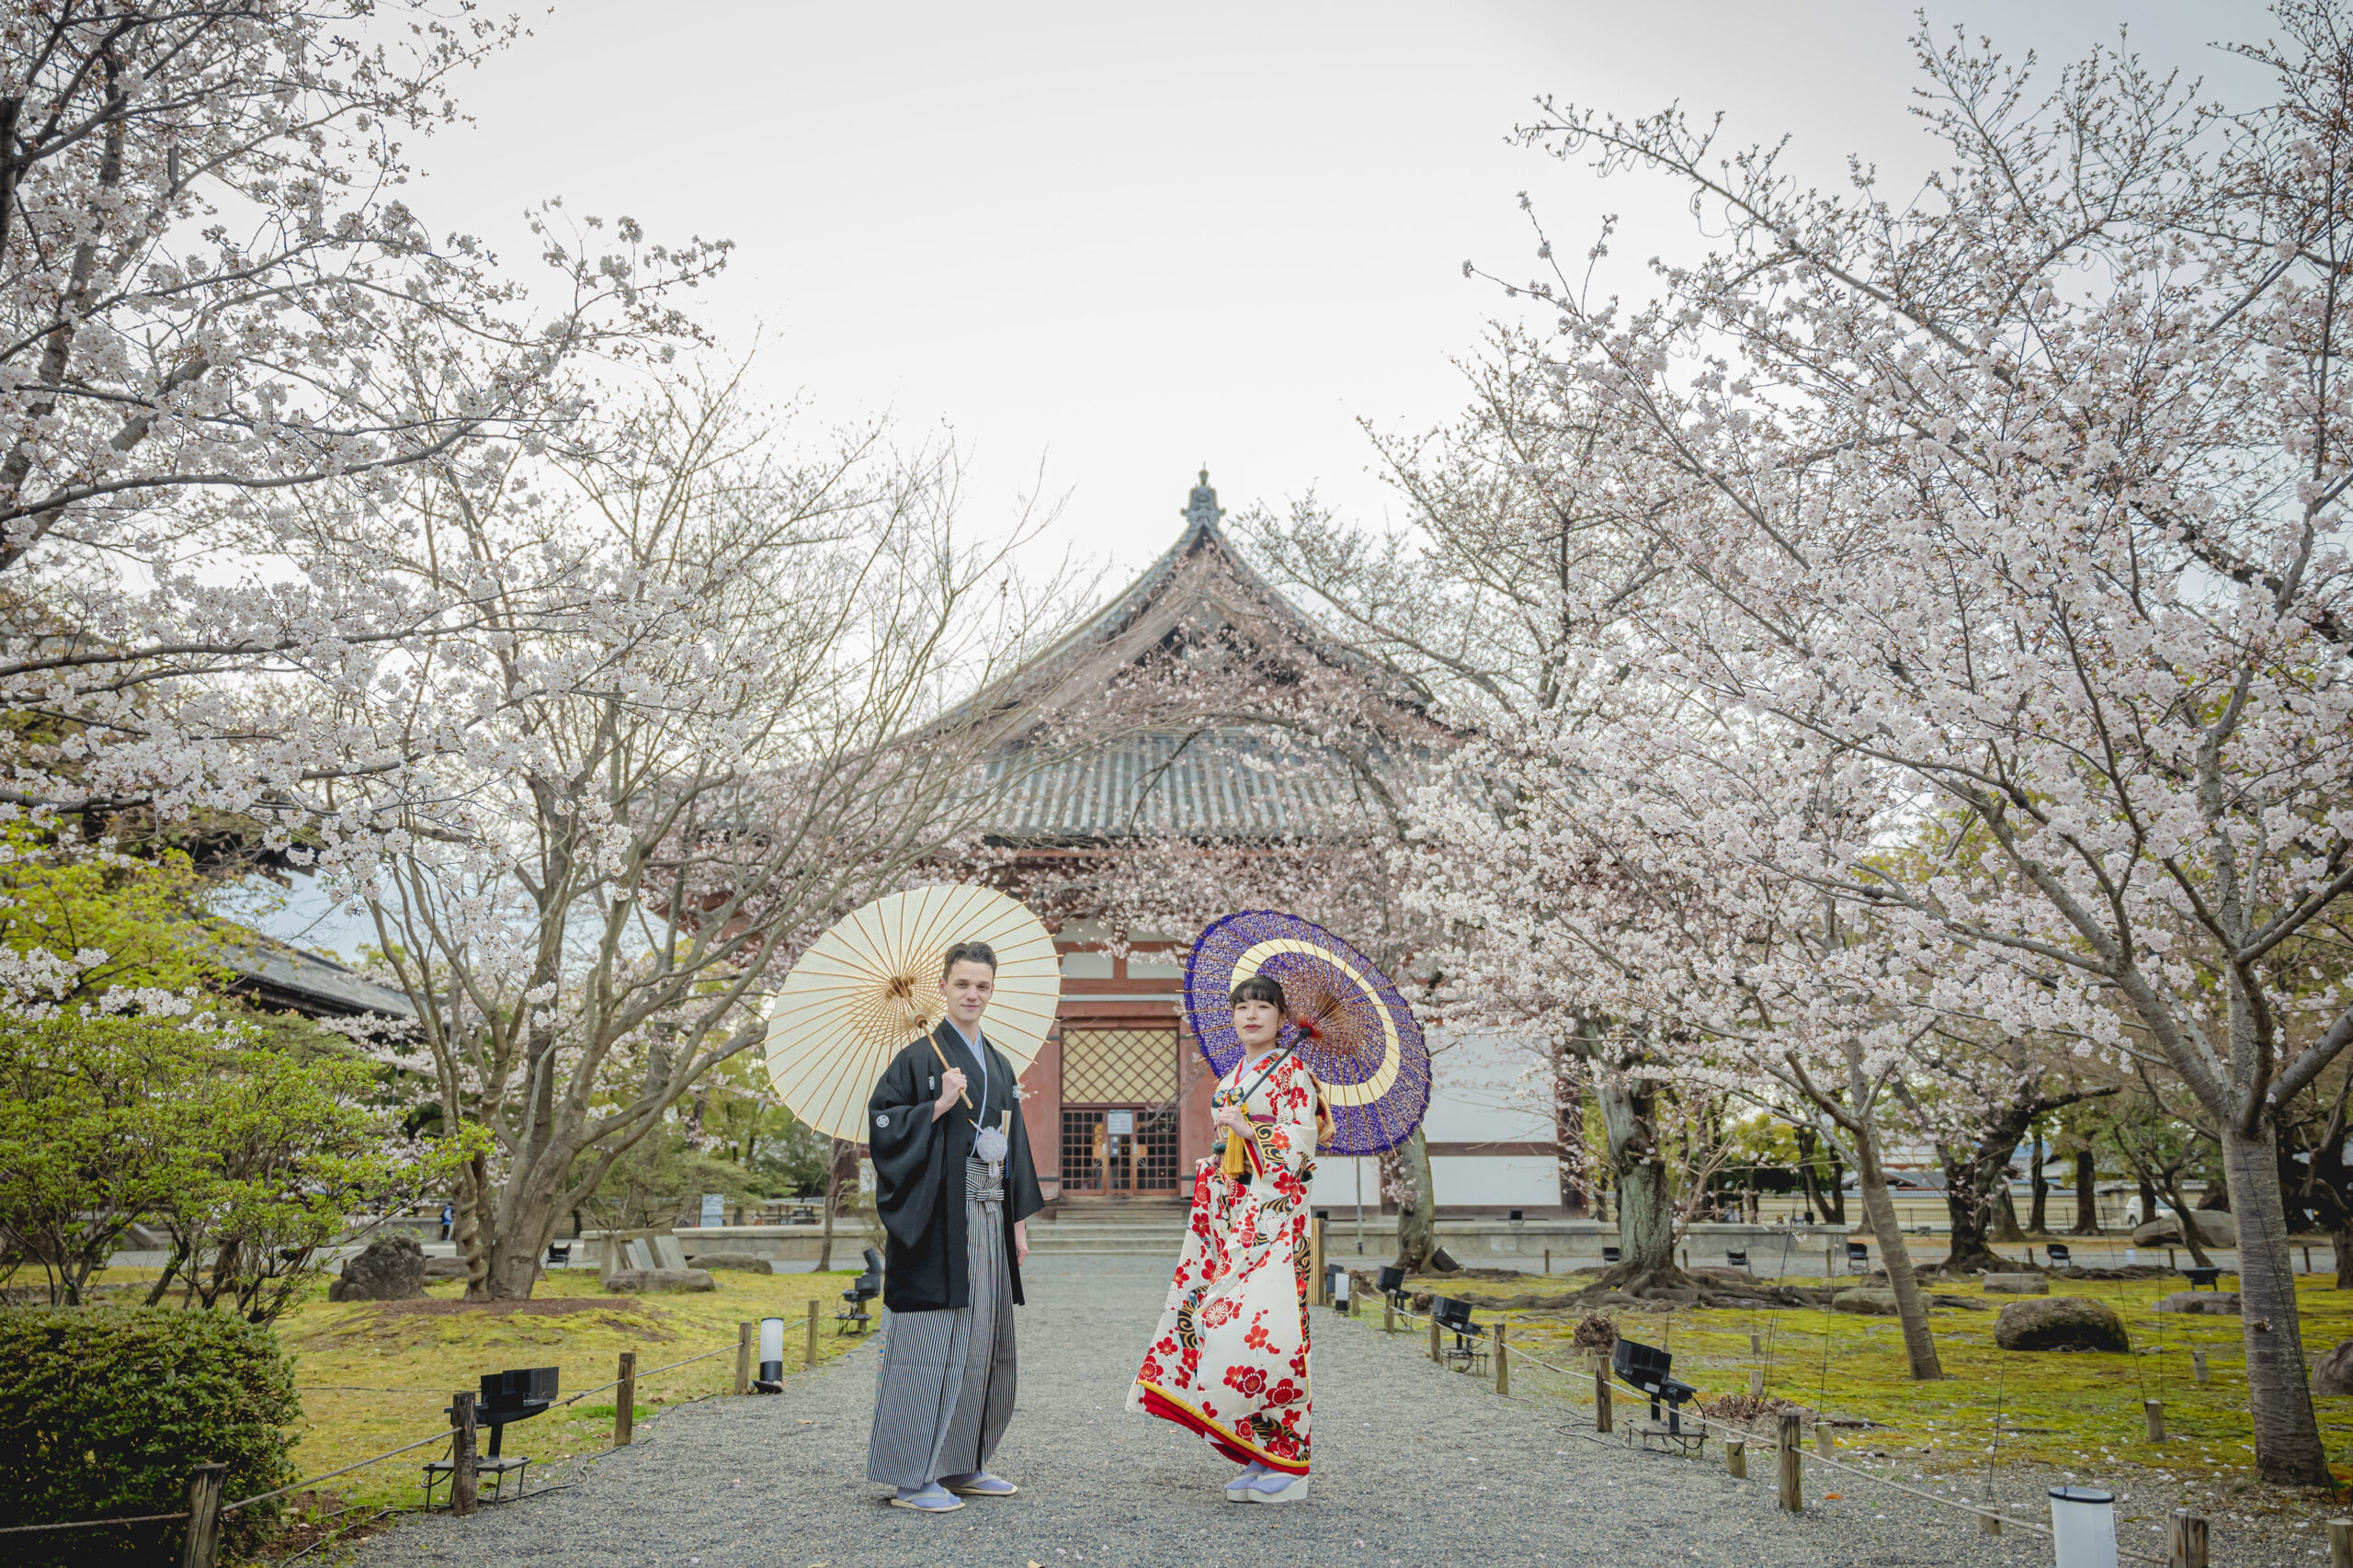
1413 1466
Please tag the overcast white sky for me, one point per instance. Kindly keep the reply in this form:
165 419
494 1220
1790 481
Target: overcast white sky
1127 240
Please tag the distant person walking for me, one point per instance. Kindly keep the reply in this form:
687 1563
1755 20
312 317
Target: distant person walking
449 1218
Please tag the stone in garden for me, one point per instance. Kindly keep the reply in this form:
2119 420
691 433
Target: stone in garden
2335 1373
2061 1323
2215 1303
391 1268
743 1261
644 1280
2215 1228
626 1250
1871 1303
2017 1285
442 1270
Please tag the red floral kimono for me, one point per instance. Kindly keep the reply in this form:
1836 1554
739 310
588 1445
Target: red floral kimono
1230 1358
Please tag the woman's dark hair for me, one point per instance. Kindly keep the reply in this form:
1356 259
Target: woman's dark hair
967 952
1260 988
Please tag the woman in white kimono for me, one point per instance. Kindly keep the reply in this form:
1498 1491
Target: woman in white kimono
1230 1358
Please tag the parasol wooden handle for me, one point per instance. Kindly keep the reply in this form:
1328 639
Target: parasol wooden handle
950 1066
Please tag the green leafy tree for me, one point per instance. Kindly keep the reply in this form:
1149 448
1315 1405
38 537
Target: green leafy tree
291 1150
96 1117
79 921
252 1158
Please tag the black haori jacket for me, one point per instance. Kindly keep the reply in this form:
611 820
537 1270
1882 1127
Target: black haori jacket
919 1171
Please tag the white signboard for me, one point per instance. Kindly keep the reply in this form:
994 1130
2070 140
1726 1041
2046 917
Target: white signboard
1119 1121
714 1208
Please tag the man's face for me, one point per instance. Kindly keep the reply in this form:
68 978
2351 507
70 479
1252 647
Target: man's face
968 988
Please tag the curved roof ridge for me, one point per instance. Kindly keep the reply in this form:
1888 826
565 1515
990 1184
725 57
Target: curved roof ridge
1202 536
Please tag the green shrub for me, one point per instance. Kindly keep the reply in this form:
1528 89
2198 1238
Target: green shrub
103 1412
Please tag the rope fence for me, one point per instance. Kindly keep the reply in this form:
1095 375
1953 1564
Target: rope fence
206 1509
1604 1378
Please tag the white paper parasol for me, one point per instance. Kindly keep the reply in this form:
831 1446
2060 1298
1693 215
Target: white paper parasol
872 984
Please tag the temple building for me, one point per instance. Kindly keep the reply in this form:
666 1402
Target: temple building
1118 1102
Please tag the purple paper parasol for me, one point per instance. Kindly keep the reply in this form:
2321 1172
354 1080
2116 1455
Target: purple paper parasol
1371 1061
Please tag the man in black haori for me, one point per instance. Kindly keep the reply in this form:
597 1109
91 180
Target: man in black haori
955 1188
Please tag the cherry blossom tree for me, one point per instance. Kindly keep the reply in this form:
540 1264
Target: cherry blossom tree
2014 509
225 336
671 787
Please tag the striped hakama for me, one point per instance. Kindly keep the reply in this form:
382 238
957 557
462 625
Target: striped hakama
947 1387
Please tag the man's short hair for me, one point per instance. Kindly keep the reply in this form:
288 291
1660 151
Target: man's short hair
967 952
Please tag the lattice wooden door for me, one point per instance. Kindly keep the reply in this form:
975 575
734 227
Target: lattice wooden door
1118 1117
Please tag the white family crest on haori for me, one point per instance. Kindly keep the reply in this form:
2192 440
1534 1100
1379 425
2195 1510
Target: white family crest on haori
872 984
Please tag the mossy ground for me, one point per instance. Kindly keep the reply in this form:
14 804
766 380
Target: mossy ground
377 1375
2066 1410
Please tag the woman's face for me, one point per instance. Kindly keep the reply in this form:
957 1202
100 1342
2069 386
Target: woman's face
1257 1022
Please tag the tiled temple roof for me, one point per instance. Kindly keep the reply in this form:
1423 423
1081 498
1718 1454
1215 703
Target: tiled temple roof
1229 781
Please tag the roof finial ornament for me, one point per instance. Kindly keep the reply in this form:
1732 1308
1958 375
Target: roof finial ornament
1201 509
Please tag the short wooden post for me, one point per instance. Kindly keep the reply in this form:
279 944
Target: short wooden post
2186 1542
462 1480
1792 1477
1322 1288
625 1401
744 1333
2152 1411
1600 1396
1686 1260
1755 1383
1824 1444
200 1548
1503 1363
1737 1457
1988 1522
1434 1350
1388 1312
1548 1260
2340 1543
810 1358
2198 1365
2308 1259
1756 1345
1829 1269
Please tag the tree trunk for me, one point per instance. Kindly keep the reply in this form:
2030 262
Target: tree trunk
832 1201
2086 1195
1645 1229
2287 1433
2294 1175
1416 1202
2148 1196
1879 1208
1911 1306
2037 1221
1646 1204
2006 1214
2182 1216
1805 1178
1835 1196
1968 1208
1568 1132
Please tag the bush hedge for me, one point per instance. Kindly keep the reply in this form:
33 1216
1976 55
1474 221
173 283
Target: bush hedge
104 1411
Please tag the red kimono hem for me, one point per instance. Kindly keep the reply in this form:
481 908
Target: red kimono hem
1240 1449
